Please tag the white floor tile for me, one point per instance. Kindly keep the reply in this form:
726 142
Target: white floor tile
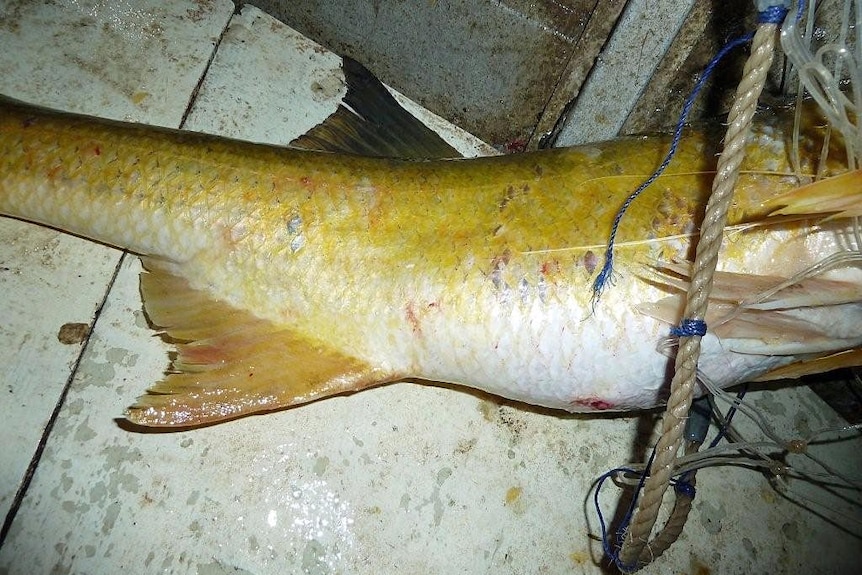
112 60
48 280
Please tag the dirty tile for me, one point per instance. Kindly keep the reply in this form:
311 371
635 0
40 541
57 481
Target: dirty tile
489 67
52 285
123 60
268 83
98 59
624 68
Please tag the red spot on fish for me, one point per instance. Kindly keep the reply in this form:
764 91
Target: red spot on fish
97 151
412 319
594 403
54 172
550 267
305 181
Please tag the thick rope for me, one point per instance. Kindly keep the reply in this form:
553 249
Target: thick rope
637 549
678 516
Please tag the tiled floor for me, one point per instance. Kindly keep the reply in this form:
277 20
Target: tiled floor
401 479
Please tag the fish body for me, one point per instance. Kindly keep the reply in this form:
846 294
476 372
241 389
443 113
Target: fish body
288 275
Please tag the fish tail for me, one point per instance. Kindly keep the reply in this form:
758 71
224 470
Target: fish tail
230 363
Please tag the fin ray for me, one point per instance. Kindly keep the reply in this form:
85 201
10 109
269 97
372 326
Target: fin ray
831 362
759 314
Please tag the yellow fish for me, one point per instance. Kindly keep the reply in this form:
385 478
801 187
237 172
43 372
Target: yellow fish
286 275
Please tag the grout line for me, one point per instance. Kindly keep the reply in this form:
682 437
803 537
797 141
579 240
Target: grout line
581 61
49 426
194 95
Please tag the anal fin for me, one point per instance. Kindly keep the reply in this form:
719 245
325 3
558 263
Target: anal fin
230 363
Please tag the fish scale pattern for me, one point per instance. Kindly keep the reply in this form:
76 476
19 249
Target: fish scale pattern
475 272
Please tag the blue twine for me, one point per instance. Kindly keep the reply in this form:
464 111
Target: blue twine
684 488
689 327
772 14
611 552
800 10
607 269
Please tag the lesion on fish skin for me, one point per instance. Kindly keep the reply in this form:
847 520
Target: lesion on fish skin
497 275
511 193
412 319
294 227
590 261
591 404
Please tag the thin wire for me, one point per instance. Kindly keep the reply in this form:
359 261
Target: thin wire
723 430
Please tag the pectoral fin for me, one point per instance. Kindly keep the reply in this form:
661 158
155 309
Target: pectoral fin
840 360
230 363
835 197
766 315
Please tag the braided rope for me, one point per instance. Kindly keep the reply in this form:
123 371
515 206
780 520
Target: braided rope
637 549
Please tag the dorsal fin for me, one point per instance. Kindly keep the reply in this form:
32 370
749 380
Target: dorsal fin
230 363
370 122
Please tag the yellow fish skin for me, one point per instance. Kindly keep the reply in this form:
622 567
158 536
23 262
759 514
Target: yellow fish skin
285 276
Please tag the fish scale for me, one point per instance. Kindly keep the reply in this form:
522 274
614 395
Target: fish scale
288 275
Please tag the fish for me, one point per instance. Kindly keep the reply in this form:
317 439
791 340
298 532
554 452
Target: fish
284 275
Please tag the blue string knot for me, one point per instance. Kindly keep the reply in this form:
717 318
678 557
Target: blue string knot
689 327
